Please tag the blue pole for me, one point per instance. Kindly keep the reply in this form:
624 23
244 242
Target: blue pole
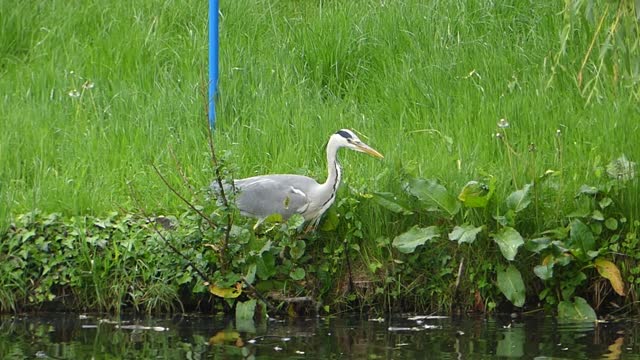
213 60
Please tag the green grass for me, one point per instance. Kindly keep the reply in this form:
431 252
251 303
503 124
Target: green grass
407 75
292 73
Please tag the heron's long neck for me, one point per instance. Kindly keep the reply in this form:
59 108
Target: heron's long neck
335 172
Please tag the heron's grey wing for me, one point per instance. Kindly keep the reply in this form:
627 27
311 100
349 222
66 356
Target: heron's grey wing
262 196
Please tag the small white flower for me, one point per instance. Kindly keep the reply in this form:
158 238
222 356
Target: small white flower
503 123
88 85
74 93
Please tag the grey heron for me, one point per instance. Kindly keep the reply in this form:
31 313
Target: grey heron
288 194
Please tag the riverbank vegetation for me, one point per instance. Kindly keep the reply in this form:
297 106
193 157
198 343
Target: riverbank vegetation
509 133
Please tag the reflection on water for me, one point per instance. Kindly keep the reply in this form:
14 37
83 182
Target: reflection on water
65 336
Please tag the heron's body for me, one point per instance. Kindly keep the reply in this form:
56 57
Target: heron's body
287 194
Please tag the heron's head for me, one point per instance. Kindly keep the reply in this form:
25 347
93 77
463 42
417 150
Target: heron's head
346 138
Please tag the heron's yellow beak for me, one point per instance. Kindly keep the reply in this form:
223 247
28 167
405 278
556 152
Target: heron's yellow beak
368 150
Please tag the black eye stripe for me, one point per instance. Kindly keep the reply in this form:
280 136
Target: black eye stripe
344 134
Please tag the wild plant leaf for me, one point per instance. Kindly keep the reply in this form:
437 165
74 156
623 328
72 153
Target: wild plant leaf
266 266
511 285
433 195
610 271
250 277
519 199
605 202
611 224
537 245
273 219
476 194
581 240
226 293
408 241
298 274
297 250
578 310
622 169
544 271
390 202
245 310
295 221
597 215
465 233
509 240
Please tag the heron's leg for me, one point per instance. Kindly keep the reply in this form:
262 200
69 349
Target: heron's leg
312 225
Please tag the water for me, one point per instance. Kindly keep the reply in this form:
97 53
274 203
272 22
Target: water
65 336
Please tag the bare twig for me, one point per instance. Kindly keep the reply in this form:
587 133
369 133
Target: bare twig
167 242
189 204
180 168
218 178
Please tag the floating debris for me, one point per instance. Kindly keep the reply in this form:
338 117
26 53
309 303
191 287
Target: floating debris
395 328
141 327
427 317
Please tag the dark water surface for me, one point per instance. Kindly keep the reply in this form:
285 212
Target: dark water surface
74 336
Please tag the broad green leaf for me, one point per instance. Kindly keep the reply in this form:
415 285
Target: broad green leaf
597 215
465 233
611 224
266 266
273 218
579 310
610 271
251 274
226 293
297 250
408 241
605 202
581 240
519 199
298 274
537 245
545 271
511 284
476 194
509 240
295 221
433 195
390 202
245 310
